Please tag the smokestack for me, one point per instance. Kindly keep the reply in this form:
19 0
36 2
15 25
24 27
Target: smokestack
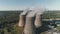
38 21
22 18
29 26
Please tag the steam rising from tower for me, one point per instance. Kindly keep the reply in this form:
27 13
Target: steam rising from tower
29 26
22 18
38 18
30 19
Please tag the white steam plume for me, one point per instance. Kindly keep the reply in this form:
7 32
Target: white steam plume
25 11
36 10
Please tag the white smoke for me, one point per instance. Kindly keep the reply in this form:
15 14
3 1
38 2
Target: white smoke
36 10
40 10
32 13
25 11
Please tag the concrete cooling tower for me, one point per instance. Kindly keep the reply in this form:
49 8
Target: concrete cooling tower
37 21
29 26
38 17
22 18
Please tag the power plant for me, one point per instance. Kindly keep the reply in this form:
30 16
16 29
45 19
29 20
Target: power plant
30 20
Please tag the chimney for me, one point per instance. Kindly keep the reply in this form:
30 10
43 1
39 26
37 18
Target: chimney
29 26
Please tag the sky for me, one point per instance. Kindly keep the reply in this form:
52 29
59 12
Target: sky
23 4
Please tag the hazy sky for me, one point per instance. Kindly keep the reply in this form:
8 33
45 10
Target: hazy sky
22 4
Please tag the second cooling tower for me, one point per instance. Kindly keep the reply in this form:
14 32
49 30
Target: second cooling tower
22 18
38 20
29 26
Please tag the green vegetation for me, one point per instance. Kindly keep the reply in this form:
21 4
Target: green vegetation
58 28
51 14
9 21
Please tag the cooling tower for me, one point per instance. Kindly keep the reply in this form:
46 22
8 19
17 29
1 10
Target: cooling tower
22 18
37 21
29 26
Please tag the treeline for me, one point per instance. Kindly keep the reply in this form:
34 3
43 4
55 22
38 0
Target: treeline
51 14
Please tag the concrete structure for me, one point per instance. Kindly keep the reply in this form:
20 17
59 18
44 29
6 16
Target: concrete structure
22 18
38 17
29 26
38 21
